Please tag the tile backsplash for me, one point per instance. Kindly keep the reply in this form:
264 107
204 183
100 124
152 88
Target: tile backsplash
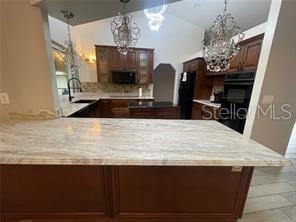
94 87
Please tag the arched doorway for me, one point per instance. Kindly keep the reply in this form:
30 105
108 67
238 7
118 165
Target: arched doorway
163 83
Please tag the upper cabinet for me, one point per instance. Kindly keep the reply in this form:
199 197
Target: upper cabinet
248 57
116 60
103 58
121 62
145 66
130 60
138 60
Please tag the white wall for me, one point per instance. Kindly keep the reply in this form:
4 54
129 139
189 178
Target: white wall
275 79
58 30
26 74
175 40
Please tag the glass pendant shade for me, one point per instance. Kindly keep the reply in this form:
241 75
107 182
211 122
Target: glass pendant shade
155 16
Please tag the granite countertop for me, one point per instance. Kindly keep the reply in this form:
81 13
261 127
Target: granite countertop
69 108
207 103
150 104
79 141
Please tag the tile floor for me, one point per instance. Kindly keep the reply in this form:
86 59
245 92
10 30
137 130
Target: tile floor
272 196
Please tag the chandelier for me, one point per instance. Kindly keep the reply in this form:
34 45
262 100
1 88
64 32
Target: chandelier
71 58
222 47
155 16
125 33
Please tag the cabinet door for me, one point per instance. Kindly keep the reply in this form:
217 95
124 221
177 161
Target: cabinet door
116 60
144 67
131 60
236 61
251 55
102 55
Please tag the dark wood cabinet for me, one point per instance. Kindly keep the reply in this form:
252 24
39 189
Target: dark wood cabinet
139 60
250 57
123 62
235 63
144 67
103 58
116 60
131 60
155 113
122 193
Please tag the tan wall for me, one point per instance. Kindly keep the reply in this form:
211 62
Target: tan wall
1 52
26 74
275 78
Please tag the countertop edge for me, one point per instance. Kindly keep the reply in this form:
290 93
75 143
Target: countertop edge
106 162
207 103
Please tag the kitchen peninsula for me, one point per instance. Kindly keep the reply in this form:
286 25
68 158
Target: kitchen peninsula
128 170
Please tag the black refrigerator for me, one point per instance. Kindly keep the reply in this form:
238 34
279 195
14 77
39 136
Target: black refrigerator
186 92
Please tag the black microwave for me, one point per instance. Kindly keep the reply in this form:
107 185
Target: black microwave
124 77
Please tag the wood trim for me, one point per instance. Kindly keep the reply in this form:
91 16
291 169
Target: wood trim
114 47
191 60
243 192
257 37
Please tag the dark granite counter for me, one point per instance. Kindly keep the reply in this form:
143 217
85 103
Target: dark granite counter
151 104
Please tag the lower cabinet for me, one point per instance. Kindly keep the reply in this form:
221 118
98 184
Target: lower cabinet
71 193
155 113
204 112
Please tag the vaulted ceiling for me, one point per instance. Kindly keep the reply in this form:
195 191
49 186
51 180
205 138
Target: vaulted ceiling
248 13
91 10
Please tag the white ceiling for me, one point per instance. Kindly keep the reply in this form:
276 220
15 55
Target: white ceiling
248 13
91 10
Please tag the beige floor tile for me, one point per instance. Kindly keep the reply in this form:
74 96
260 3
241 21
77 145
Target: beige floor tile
256 204
291 156
290 196
268 189
274 170
266 216
274 178
291 150
290 211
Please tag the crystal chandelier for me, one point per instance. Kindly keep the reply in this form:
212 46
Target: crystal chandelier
125 33
222 47
71 57
155 16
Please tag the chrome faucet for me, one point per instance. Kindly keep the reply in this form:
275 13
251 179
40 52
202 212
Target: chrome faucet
69 88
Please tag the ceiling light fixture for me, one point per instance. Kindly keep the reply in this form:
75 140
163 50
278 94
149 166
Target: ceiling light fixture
222 47
71 55
155 16
125 33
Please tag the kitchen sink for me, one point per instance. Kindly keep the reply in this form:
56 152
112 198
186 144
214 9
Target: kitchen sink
85 101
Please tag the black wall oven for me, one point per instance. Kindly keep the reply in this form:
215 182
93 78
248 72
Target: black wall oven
236 99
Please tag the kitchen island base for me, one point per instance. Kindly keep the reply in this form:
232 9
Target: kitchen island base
122 193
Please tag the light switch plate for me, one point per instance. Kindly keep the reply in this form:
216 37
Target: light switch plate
4 99
267 100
